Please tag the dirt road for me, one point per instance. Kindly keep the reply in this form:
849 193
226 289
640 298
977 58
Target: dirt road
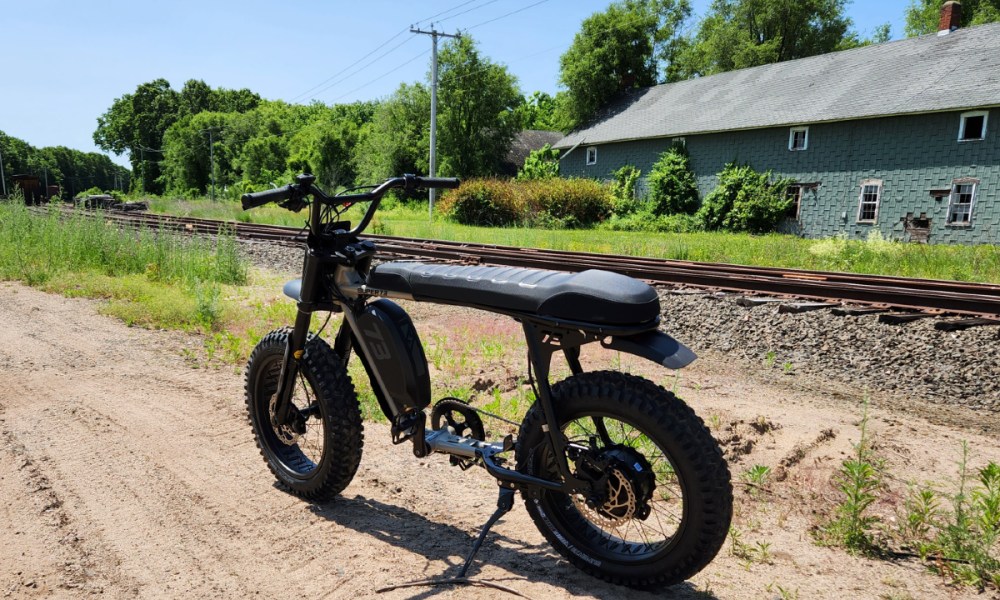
125 472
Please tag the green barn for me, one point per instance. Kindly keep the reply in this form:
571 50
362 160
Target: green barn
900 138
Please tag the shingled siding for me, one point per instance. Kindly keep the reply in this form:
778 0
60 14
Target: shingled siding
911 155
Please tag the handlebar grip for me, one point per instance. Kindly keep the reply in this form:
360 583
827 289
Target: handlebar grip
438 182
255 199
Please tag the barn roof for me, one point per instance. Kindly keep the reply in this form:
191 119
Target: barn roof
930 73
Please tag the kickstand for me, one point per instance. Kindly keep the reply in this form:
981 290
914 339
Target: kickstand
504 503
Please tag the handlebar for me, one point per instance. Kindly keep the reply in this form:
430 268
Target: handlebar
255 199
305 187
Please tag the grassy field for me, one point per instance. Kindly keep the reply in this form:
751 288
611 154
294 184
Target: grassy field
874 256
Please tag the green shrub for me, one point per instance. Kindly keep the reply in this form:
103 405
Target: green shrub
485 202
552 203
672 186
566 202
540 164
623 196
745 201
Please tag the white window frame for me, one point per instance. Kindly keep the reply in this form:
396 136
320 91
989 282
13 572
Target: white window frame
592 155
791 138
985 114
952 204
861 200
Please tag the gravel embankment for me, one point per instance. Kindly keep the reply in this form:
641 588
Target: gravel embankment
916 360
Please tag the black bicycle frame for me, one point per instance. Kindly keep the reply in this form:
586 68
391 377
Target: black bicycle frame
334 269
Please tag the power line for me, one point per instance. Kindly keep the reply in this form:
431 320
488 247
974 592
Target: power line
467 11
382 76
350 66
513 12
445 12
362 67
315 91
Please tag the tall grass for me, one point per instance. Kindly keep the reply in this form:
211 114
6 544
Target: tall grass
152 278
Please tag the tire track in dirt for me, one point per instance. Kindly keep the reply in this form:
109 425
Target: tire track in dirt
125 471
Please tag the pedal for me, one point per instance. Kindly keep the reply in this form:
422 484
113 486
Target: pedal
410 426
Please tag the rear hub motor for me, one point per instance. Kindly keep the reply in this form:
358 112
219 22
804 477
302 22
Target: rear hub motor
626 492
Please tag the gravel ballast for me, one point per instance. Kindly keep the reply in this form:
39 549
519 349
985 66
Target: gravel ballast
914 359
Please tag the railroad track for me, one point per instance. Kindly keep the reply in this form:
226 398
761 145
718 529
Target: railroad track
819 288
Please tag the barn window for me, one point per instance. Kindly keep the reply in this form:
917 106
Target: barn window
871 193
592 155
963 194
794 193
972 126
798 138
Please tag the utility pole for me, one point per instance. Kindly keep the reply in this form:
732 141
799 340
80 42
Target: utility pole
434 97
2 177
211 154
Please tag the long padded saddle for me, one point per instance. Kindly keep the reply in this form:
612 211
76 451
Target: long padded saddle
592 296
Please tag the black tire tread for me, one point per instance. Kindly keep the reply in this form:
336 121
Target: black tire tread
712 496
344 429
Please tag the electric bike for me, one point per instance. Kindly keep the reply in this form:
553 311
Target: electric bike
618 474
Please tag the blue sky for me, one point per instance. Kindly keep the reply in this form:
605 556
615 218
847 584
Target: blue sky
66 61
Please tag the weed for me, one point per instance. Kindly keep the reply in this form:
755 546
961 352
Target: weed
758 477
769 358
783 593
859 480
715 422
748 553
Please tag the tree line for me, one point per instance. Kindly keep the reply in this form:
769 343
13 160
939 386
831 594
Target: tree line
72 170
199 138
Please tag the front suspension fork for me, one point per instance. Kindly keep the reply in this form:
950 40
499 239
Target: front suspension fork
285 412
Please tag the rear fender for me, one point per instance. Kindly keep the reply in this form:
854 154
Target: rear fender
655 346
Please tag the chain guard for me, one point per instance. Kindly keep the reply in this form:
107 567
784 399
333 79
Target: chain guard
460 419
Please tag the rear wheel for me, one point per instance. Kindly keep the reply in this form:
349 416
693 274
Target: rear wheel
318 460
663 505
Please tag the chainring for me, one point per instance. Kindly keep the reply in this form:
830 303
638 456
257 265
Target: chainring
459 417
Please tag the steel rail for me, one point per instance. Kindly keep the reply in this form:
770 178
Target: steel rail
884 291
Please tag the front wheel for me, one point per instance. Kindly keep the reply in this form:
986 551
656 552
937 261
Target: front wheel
320 459
663 505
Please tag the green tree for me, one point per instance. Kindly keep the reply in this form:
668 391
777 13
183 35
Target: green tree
745 200
325 149
617 50
540 164
923 16
542 111
737 34
672 186
397 139
477 100
70 169
136 123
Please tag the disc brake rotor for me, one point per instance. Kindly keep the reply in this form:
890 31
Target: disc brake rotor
619 507
284 433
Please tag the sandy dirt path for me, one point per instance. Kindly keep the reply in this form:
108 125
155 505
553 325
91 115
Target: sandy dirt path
127 473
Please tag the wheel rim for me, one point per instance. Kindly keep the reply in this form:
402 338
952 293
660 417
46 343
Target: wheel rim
614 528
297 454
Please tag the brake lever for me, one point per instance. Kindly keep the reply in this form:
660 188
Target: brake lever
294 204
